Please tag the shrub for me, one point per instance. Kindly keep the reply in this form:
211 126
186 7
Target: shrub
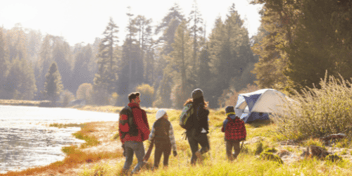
271 156
318 112
85 91
333 158
259 148
147 94
66 97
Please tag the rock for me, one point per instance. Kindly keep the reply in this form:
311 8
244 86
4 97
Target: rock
315 151
255 140
332 137
283 153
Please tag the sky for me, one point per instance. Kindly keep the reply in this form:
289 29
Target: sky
80 21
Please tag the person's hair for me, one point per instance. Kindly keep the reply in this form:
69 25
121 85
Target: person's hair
133 95
197 101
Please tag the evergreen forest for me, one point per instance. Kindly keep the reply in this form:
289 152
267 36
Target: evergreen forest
298 42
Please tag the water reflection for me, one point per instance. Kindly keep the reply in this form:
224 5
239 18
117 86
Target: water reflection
26 141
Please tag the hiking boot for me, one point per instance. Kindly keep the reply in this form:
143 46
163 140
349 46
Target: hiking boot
123 172
199 156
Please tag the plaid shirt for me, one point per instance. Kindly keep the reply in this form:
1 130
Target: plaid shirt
234 129
171 136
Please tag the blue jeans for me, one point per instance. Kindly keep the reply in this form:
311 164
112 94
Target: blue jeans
137 148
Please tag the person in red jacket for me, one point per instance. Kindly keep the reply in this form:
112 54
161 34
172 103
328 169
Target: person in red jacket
235 132
134 144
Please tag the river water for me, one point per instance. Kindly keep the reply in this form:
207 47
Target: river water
27 141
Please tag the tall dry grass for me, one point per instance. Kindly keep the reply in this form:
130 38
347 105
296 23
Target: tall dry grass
318 112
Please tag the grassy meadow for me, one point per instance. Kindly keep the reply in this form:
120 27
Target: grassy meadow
315 113
215 162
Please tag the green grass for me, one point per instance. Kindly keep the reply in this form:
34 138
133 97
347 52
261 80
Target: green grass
216 163
60 125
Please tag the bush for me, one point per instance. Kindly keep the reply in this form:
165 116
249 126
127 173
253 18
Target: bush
271 156
318 112
147 94
85 91
333 158
66 97
259 148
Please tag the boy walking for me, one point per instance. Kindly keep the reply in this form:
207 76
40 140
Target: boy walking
235 132
163 135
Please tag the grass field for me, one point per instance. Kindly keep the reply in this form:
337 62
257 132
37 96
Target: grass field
215 163
249 162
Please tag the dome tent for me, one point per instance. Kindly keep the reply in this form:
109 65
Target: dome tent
259 104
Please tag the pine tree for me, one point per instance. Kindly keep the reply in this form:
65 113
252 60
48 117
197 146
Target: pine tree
4 63
168 28
231 56
196 31
180 60
61 55
42 66
81 73
106 77
53 85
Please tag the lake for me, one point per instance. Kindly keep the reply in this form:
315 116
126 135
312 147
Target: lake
27 141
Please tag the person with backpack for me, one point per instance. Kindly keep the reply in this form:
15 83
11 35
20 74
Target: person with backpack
163 136
198 128
235 132
133 130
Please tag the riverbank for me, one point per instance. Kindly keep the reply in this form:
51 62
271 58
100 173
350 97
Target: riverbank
22 102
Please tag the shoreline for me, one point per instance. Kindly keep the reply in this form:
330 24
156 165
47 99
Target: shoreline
105 148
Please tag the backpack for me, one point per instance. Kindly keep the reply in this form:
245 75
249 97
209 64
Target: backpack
185 117
126 124
235 130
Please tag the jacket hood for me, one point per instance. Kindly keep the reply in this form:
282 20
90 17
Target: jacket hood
134 105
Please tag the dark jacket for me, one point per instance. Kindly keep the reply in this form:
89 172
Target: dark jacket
200 120
162 128
141 121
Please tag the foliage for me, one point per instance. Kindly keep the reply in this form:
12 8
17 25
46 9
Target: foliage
4 62
82 72
229 96
180 63
85 92
147 94
53 86
333 158
60 125
66 97
230 54
106 78
271 156
318 112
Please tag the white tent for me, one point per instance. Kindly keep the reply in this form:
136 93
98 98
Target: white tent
251 106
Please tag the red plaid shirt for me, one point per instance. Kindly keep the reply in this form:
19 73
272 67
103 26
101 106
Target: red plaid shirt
234 129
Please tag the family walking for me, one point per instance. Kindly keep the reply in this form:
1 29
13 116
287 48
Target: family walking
134 129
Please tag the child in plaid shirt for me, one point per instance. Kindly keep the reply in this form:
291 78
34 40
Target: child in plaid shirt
163 135
235 132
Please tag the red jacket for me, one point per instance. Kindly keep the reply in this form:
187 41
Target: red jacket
140 119
234 129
